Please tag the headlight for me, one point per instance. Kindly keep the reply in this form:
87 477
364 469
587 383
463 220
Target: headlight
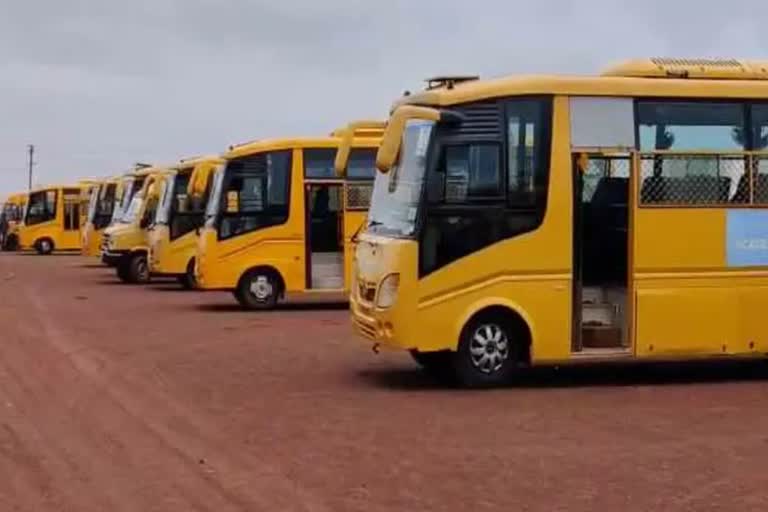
388 291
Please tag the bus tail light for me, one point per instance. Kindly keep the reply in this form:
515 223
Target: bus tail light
388 291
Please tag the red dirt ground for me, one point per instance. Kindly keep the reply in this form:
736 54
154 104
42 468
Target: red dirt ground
121 398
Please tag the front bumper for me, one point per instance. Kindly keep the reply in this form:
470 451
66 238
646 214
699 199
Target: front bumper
375 325
113 258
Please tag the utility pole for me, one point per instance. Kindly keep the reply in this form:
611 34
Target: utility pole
31 149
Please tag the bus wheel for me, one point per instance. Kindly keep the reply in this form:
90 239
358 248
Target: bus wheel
434 363
11 243
188 281
487 352
122 271
138 269
257 289
44 246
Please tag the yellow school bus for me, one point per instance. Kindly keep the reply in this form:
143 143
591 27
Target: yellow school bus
13 213
553 219
104 200
124 243
52 219
130 184
184 194
280 221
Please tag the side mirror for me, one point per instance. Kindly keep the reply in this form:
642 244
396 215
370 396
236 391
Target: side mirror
393 135
360 128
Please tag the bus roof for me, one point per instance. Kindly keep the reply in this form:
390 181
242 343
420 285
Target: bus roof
185 163
57 186
693 78
15 198
259 146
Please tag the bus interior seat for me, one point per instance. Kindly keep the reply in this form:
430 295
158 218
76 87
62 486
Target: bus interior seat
742 190
654 190
760 191
694 189
605 233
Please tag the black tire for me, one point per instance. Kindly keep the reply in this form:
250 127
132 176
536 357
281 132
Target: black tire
258 290
44 246
488 352
437 364
122 271
138 269
11 243
188 281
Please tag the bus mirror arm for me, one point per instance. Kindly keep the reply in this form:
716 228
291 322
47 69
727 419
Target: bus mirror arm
356 236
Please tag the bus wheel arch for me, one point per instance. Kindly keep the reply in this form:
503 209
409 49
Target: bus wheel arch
494 341
260 288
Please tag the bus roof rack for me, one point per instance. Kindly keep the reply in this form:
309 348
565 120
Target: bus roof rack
712 69
448 81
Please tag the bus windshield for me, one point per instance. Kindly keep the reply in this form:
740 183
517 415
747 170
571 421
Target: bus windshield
126 199
396 194
215 198
163 212
132 212
92 203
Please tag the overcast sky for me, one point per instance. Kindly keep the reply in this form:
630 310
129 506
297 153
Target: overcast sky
99 84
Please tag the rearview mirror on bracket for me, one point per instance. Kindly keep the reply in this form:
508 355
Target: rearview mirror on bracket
393 135
347 137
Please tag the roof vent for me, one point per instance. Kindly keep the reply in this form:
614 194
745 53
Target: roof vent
448 82
713 69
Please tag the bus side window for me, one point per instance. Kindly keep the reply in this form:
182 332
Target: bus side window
476 199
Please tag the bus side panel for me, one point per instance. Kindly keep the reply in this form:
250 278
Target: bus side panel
539 299
688 300
673 320
532 271
178 253
705 316
28 235
271 247
754 330
686 240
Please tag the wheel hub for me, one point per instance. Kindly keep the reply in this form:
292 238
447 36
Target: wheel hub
261 288
143 270
489 348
